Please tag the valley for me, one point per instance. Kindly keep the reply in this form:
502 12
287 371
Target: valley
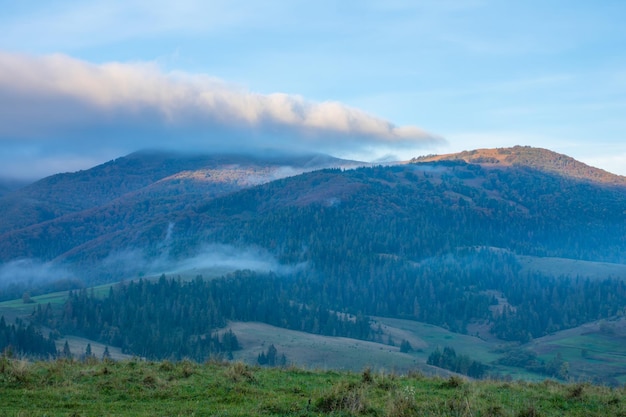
593 351
514 258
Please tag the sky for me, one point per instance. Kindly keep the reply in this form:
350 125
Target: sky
84 82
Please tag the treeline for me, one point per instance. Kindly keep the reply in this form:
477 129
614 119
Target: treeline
462 364
556 367
271 357
540 305
16 290
25 339
171 318
455 290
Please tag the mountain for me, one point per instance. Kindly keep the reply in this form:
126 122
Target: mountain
168 205
537 158
164 173
473 247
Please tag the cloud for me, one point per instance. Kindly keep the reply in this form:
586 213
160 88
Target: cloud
56 103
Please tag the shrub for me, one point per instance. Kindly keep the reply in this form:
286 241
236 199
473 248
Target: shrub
343 397
403 403
238 371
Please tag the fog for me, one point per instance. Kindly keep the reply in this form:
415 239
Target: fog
210 260
230 258
31 273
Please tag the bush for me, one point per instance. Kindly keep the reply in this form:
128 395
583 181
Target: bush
403 403
343 397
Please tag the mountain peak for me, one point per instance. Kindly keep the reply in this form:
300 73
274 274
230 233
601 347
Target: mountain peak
537 158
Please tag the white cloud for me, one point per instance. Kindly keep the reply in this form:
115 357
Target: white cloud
69 104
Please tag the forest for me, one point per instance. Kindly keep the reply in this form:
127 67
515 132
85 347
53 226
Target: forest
170 318
174 319
25 339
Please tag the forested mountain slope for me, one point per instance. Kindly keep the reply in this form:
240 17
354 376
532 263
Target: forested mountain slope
166 173
412 211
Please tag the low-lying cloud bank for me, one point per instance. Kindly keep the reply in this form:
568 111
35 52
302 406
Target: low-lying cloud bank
210 260
59 103
31 273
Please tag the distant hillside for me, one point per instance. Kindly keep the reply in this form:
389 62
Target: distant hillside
460 204
8 185
166 173
526 156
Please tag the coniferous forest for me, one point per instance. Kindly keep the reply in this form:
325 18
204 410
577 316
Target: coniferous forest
171 318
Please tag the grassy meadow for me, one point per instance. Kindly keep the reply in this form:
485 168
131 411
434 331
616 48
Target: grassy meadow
138 388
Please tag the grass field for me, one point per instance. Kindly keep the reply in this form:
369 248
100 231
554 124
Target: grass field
136 388
562 267
323 352
594 350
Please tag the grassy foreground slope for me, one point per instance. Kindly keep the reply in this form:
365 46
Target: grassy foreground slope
134 388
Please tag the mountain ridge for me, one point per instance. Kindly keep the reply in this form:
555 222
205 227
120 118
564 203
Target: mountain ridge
537 158
61 194
187 196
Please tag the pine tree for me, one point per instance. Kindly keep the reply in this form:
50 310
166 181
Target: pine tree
405 346
67 353
271 355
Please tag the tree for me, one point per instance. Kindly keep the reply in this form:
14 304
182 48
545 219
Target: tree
106 354
405 346
26 298
67 353
271 355
229 341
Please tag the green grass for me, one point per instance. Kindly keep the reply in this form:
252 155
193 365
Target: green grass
320 352
13 309
572 268
135 388
433 336
591 352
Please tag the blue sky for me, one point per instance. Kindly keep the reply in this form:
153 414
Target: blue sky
83 82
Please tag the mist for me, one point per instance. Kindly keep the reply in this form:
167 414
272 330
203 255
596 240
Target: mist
31 273
210 260
34 277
